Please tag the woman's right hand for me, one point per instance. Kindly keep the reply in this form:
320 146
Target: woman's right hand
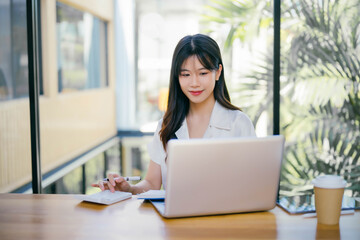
115 183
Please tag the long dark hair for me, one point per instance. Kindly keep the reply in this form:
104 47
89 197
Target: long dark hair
208 53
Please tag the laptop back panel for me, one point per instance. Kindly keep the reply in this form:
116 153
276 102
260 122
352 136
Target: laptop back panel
219 176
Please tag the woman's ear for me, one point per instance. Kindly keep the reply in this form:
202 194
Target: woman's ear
218 72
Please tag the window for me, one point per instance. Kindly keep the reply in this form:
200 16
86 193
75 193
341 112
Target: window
82 50
15 157
13 51
320 93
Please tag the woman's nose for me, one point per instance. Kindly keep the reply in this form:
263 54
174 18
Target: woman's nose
195 81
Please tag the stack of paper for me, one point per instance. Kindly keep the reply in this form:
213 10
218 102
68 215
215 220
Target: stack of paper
105 197
152 195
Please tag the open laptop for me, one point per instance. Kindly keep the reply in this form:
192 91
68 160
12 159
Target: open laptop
221 176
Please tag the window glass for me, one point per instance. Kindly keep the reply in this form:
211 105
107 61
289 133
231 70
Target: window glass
82 49
15 146
13 50
320 104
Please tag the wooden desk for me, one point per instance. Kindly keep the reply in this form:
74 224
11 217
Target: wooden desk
45 216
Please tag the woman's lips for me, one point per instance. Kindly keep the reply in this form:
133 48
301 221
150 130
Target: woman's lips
195 93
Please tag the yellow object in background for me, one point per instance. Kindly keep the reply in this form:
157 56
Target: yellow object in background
163 99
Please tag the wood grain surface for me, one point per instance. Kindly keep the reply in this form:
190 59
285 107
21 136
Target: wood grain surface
28 216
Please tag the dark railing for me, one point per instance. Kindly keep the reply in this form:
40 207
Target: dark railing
34 60
276 92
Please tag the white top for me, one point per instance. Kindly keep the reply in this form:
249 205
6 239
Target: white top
224 123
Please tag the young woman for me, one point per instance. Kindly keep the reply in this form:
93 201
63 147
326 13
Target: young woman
198 107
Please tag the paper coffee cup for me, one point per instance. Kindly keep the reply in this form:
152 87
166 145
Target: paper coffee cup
329 191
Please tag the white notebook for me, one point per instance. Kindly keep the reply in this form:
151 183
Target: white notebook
106 197
152 194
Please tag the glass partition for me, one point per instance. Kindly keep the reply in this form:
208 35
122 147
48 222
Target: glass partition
15 146
82 49
13 51
77 113
320 105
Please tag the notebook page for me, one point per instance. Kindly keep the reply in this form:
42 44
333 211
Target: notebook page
152 194
105 197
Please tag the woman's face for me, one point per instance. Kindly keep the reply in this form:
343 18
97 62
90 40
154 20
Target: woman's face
197 82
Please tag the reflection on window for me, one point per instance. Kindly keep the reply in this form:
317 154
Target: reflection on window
82 50
13 50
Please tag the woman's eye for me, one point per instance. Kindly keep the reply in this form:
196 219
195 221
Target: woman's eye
184 75
203 73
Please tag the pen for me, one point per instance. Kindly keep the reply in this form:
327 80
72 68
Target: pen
135 178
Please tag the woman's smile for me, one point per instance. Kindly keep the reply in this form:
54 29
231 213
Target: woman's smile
196 93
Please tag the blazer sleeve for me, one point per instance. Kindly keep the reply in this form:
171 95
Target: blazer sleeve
155 148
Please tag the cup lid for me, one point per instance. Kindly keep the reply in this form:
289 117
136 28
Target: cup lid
329 181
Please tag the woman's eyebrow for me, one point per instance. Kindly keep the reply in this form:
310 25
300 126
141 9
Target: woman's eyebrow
199 69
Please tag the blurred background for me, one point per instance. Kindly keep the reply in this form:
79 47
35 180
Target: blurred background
104 73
